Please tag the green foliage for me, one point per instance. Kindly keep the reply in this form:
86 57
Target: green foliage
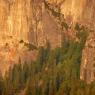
77 27
1 85
65 25
55 71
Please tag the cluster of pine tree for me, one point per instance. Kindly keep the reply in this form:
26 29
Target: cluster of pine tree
55 72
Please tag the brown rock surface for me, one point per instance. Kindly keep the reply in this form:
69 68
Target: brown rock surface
28 20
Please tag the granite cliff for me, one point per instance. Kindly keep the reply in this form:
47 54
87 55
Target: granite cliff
38 21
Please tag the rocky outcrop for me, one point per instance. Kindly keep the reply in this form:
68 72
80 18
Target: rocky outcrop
80 10
87 71
15 23
26 20
14 18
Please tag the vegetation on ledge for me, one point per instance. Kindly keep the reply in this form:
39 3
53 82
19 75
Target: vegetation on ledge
55 72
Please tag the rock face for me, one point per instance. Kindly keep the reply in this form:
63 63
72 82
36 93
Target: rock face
14 26
25 20
29 20
73 8
80 10
14 18
88 60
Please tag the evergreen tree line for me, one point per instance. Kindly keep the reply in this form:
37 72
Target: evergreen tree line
55 71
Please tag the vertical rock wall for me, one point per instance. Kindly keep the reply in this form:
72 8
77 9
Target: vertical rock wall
13 18
21 19
87 71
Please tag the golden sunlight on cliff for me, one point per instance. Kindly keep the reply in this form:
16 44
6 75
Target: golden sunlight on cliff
75 8
29 20
10 24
